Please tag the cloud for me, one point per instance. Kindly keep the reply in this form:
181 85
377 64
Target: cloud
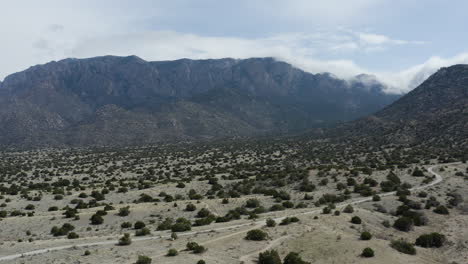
407 79
307 34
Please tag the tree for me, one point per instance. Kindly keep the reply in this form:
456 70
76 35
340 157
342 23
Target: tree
269 257
190 207
125 240
367 252
256 235
139 225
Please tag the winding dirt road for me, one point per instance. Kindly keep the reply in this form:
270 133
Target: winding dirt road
253 225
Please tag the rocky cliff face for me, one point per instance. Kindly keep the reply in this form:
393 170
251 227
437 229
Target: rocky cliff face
126 100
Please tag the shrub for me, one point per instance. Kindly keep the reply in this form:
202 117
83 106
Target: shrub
172 252
96 219
269 257
376 198
124 211
441 210
256 235
356 220
203 213
348 209
181 225
367 252
404 224
201 261
190 207
252 203
366 235
126 225
87 253
125 240
294 258
143 232
166 224
73 235
270 222
139 225
403 247
431 240
144 260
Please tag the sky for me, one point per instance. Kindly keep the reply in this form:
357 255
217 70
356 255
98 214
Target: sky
400 42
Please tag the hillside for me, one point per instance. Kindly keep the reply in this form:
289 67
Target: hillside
436 112
126 100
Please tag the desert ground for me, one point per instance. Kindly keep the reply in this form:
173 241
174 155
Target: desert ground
223 193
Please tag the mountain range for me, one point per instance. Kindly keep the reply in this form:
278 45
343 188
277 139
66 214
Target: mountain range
113 100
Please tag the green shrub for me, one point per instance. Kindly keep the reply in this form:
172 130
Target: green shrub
441 210
96 219
124 211
125 240
256 235
349 209
403 247
126 225
73 235
143 232
366 235
356 220
431 240
144 260
294 258
367 252
404 224
181 225
269 257
270 222
172 252
139 225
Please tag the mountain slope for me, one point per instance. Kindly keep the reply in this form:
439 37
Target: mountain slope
125 100
436 112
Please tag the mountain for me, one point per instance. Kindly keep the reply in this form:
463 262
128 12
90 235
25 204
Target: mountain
113 100
436 112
